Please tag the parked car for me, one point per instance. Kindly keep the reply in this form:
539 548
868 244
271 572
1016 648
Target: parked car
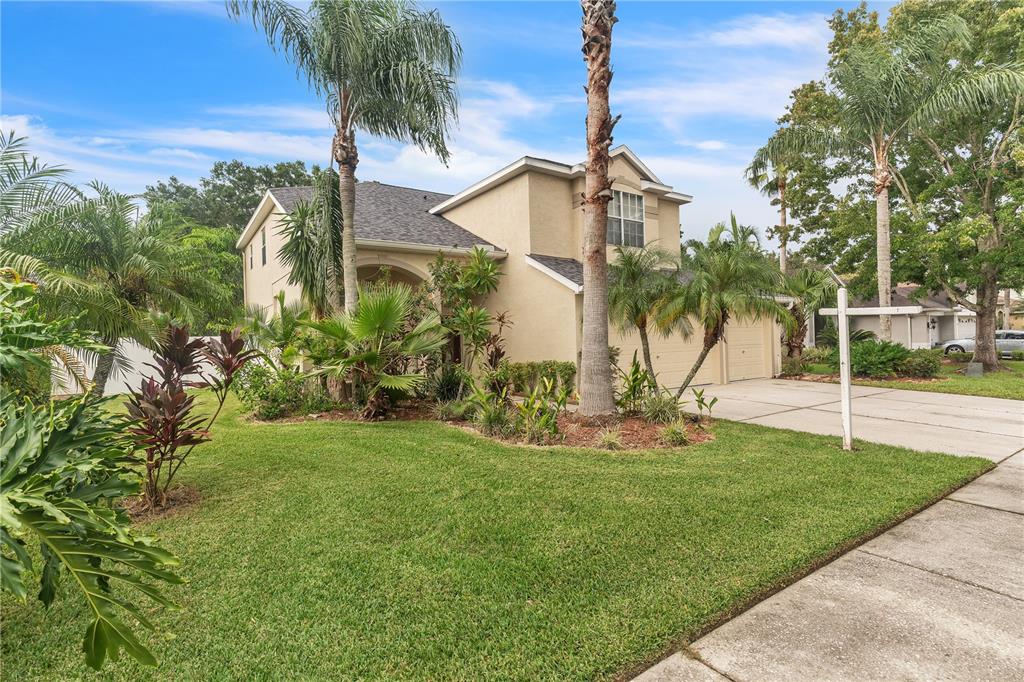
1007 342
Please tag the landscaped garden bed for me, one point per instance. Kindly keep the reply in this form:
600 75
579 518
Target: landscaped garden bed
1005 383
339 550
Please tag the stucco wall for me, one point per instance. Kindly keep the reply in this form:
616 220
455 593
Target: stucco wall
262 282
913 336
542 311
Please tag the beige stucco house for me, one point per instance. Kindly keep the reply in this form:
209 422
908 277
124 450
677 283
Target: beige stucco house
529 217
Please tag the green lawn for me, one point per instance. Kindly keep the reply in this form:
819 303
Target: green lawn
1004 384
416 550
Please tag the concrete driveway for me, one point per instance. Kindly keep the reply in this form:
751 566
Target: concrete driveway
961 425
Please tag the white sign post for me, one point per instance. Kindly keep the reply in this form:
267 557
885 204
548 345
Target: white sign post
844 369
843 311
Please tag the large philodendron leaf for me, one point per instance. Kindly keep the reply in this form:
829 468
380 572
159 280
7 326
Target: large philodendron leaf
58 467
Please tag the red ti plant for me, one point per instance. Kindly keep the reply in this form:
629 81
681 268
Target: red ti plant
163 426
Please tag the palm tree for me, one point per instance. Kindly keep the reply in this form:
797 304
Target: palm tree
28 186
382 343
729 280
887 89
121 270
810 290
596 395
385 68
772 184
638 280
278 336
312 250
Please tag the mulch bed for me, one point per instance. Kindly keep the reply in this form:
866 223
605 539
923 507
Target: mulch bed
180 498
576 431
634 433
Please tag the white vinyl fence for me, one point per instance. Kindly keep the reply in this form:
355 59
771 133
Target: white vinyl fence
131 373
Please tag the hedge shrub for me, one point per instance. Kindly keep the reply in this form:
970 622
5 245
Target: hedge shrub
874 359
272 394
921 363
525 376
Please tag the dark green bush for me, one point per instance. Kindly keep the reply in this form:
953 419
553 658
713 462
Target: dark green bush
448 382
1017 355
959 357
525 376
792 367
272 394
921 363
872 358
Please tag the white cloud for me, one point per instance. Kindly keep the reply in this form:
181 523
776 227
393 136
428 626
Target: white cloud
798 32
791 31
281 117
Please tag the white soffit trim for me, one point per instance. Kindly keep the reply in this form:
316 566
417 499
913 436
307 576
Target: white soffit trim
408 247
635 160
267 203
559 169
495 179
892 310
561 279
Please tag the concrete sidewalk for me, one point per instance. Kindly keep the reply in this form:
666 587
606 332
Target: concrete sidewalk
940 596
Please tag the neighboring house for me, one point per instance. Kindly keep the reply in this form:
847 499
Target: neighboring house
936 318
528 216
1011 302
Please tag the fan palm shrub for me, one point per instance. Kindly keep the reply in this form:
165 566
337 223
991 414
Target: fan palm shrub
729 279
886 89
385 68
637 281
382 344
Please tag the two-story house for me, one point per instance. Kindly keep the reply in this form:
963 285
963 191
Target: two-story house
529 216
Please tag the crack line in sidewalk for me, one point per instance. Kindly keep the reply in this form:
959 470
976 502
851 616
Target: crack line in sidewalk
690 652
940 575
982 506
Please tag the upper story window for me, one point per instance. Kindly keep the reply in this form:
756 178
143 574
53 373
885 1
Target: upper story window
263 246
626 219
250 255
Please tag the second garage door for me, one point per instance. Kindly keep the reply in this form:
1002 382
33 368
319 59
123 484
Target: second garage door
747 347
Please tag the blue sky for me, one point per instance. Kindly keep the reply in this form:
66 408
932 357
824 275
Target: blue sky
129 93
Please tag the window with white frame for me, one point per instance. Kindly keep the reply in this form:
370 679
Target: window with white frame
626 219
250 255
263 245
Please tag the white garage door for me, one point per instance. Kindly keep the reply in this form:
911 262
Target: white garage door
672 357
747 349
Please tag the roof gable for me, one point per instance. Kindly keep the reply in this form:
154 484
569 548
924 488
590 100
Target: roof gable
384 214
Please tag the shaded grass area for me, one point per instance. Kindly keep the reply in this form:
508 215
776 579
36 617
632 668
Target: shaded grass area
416 550
1004 384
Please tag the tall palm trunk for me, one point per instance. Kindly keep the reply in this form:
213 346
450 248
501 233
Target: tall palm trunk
783 228
883 178
645 346
711 337
596 395
347 156
104 368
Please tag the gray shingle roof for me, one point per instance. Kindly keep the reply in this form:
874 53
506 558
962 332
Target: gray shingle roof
904 294
395 214
570 268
